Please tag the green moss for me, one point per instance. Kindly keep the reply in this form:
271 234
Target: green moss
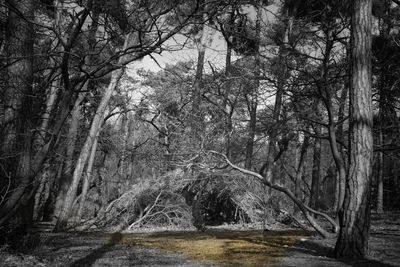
244 248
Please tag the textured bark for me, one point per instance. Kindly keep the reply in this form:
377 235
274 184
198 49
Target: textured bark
355 219
379 200
341 164
16 147
19 50
301 161
252 107
316 172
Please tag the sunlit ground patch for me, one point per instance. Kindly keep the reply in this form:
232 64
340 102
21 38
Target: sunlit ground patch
235 248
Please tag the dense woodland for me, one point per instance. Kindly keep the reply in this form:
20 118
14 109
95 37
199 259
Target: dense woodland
300 122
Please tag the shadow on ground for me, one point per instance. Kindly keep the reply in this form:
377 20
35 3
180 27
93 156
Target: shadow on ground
318 251
90 259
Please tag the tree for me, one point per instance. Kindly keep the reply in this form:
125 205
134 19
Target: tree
355 217
17 121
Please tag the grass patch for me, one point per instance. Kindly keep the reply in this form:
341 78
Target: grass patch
228 248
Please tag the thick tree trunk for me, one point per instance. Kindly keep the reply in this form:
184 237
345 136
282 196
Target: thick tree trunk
355 219
252 107
87 178
69 154
16 147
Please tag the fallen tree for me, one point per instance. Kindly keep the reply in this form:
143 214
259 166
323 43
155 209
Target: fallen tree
303 208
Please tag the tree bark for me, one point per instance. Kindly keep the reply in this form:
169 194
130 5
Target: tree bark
202 42
301 161
379 202
352 242
17 124
316 171
86 181
69 154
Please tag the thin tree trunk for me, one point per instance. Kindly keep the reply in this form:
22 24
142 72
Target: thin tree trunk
379 203
302 154
202 42
355 219
228 109
316 172
252 97
281 80
341 165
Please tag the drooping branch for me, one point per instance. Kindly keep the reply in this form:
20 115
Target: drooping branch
304 208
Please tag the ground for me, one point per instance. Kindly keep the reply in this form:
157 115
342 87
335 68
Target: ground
216 247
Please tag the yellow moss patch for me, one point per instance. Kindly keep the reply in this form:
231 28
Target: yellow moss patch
235 248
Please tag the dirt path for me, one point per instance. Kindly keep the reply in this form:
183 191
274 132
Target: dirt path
213 248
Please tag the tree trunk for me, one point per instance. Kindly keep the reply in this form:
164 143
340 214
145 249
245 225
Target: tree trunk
202 42
353 237
316 172
301 161
252 97
69 154
281 80
379 202
252 107
84 154
86 181
16 147
228 110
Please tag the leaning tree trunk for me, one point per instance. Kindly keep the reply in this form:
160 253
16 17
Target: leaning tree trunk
86 180
66 172
355 219
84 154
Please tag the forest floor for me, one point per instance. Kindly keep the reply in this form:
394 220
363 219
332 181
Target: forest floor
218 246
